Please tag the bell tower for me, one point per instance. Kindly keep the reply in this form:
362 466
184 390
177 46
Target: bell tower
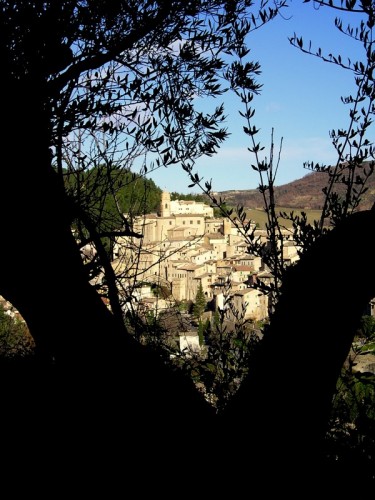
165 205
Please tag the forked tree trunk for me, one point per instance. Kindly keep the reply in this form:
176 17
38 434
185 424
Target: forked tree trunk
93 387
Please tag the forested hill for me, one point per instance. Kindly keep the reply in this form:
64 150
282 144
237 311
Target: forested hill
103 189
305 193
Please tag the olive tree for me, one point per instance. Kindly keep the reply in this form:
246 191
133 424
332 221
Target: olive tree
128 71
75 71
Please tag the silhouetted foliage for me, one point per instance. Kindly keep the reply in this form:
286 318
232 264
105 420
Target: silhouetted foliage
98 87
103 86
345 185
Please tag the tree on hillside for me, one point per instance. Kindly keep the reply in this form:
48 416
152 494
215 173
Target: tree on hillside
199 303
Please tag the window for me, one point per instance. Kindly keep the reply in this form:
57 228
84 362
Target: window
191 222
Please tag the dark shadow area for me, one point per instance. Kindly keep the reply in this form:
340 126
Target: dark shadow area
92 409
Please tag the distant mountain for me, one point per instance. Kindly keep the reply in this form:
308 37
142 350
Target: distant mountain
305 193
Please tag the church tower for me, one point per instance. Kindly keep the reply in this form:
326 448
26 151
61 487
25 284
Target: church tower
165 205
227 227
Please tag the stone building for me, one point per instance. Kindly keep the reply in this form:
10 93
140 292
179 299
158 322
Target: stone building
184 246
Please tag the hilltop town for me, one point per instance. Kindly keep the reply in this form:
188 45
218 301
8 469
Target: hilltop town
184 247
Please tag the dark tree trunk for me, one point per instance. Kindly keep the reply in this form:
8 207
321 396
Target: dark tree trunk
285 403
91 385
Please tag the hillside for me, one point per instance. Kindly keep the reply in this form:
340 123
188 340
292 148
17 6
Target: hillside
305 193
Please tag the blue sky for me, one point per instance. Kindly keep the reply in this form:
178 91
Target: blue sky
300 100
